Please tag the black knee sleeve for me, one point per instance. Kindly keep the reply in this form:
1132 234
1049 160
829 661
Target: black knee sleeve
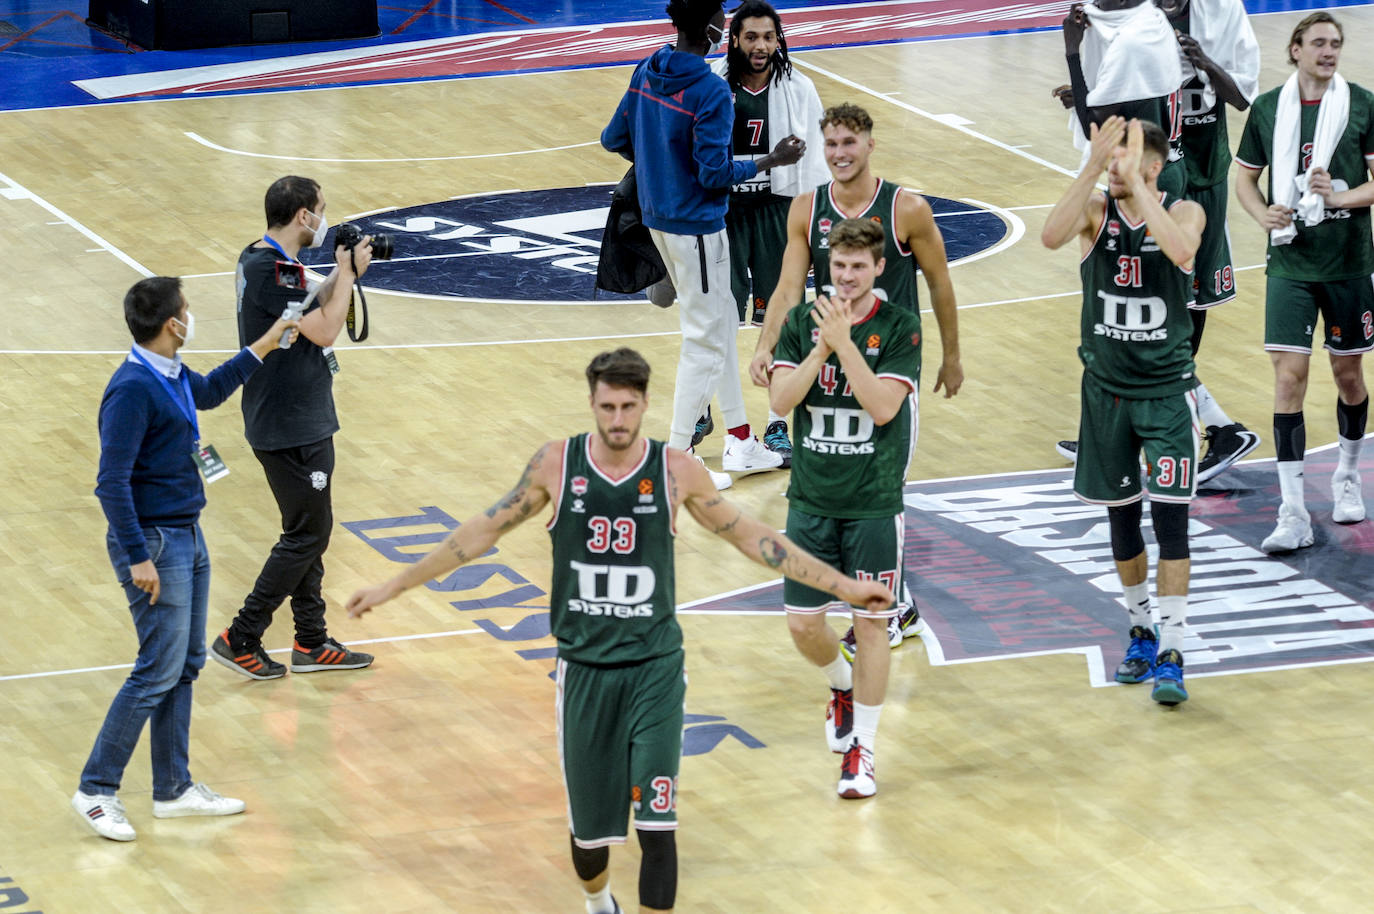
1351 419
589 863
1127 543
1171 529
1199 317
1290 436
657 868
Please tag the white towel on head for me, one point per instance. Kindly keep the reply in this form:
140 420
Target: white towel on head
1332 117
1223 31
1127 55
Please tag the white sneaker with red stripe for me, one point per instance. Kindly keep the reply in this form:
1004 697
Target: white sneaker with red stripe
856 773
104 814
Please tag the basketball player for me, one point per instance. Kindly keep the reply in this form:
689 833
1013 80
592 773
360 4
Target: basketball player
771 99
1137 245
911 242
852 388
616 496
1319 260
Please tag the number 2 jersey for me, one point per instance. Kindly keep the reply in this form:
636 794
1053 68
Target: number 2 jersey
613 586
1136 329
843 463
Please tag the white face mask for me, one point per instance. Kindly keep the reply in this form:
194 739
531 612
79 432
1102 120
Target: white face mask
716 43
320 230
190 326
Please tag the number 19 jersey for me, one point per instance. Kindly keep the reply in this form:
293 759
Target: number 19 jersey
613 593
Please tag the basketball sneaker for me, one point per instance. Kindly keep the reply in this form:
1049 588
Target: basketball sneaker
1225 445
254 664
104 813
331 655
776 440
856 773
1347 505
705 425
747 455
1068 450
1294 530
719 480
907 624
1139 663
839 719
198 800
1169 688
848 646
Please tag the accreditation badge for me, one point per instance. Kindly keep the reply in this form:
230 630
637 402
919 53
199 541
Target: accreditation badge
209 463
331 359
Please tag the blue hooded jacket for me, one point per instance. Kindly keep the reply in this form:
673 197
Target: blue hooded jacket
675 123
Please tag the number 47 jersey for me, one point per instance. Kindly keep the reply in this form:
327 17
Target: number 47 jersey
843 463
613 586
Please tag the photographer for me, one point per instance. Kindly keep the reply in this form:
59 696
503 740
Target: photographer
288 417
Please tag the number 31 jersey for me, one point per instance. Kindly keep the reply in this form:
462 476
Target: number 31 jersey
613 586
843 463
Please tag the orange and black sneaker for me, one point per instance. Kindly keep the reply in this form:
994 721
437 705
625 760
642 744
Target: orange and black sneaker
328 656
255 664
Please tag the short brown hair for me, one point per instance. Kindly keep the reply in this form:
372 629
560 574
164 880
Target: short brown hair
1307 22
858 235
621 367
847 115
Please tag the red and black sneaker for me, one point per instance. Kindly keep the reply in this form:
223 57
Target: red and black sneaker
839 719
331 655
254 664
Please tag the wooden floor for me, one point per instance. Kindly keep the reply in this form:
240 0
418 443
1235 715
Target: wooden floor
429 783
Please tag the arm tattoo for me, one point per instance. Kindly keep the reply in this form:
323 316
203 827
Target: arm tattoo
457 551
729 525
516 496
772 552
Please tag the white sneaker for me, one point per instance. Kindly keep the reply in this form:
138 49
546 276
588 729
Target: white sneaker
748 455
198 800
856 773
720 480
1294 530
104 814
1347 503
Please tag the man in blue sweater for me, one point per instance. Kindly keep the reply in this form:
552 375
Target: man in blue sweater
149 486
675 123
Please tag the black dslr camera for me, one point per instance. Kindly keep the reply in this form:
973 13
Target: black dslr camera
348 235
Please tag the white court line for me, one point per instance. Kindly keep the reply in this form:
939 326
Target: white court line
485 155
11 190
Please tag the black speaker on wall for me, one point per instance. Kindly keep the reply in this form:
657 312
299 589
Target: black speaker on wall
178 25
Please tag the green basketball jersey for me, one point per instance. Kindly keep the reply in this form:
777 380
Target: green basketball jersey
750 141
843 463
1339 246
613 586
1136 329
1206 145
898 279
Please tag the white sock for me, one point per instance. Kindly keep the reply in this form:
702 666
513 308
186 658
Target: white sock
600 902
866 724
774 417
1138 604
1173 614
1350 456
1208 410
839 672
1290 483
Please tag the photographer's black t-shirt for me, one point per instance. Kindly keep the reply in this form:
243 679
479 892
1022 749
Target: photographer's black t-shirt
289 401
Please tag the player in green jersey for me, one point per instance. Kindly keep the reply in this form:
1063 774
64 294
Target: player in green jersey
1137 245
615 497
849 368
1319 259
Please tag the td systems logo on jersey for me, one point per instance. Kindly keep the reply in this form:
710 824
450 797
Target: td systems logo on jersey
542 246
1014 565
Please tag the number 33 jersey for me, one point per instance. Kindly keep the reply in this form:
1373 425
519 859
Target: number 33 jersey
843 463
613 586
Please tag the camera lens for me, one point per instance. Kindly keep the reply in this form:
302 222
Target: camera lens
381 247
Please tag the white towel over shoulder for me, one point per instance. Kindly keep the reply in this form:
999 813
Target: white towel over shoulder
1127 55
1283 158
1223 31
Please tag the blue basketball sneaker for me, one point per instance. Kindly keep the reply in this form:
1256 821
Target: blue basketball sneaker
1139 663
1169 688
705 426
776 440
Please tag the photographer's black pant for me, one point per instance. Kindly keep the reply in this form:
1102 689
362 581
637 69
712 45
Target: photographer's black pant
300 478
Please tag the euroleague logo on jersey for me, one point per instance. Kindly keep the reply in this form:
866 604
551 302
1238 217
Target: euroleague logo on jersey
542 246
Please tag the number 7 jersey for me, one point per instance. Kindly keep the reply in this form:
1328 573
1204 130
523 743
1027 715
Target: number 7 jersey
612 600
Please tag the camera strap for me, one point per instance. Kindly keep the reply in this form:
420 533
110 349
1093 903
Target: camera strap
356 309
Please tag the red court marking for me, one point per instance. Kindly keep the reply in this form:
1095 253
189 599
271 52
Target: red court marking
413 16
572 46
511 12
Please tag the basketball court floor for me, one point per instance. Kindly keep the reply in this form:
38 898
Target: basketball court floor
1013 776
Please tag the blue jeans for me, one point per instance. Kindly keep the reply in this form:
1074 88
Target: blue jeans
171 653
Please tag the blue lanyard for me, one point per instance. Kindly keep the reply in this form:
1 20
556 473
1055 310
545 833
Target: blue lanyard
280 250
185 402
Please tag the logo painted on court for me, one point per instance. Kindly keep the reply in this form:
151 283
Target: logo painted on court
542 246
1015 565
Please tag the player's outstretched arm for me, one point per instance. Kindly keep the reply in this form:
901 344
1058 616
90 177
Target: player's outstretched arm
476 535
796 260
761 542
